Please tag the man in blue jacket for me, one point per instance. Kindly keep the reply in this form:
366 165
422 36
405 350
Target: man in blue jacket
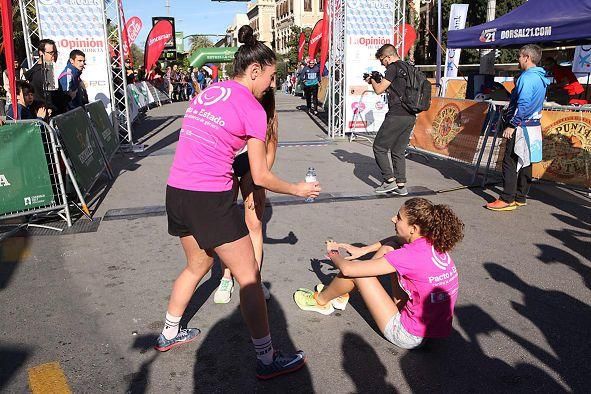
523 131
71 88
310 76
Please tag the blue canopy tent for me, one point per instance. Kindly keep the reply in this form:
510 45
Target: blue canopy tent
543 22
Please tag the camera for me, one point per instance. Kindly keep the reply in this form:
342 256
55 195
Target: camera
375 75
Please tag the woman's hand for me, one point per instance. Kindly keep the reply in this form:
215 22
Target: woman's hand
354 251
331 246
308 189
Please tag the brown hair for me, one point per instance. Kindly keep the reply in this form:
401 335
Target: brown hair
438 223
268 103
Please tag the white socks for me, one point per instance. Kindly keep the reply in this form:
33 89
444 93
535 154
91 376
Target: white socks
264 349
171 326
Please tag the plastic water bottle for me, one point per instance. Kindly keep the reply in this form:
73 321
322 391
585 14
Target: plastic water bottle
310 177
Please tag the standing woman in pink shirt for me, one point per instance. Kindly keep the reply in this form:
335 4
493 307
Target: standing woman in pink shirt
424 276
200 203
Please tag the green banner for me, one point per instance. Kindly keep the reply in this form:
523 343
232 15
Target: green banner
106 133
81 147
24 175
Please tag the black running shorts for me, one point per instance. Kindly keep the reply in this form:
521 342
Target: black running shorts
213 218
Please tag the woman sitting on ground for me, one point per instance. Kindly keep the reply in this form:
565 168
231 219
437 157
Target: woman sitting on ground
424 277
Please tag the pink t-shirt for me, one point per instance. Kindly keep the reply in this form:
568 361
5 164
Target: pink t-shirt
217 124
431 281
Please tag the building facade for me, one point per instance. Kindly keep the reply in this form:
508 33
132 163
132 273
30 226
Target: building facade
261 16
288 13
232 30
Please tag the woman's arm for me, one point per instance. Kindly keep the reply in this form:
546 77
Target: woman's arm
262 177
356 252
272 144
358 269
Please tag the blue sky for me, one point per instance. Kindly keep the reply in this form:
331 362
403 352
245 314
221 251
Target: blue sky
196 16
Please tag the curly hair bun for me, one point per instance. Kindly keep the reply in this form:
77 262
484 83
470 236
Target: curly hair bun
246 36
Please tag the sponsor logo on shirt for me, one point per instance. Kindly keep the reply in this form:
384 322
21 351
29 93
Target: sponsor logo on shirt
213 94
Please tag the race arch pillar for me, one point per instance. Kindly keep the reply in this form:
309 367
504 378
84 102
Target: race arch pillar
211 55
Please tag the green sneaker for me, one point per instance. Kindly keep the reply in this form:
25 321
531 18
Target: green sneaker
304 298
340 302
223 294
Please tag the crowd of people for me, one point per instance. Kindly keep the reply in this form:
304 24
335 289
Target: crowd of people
37 95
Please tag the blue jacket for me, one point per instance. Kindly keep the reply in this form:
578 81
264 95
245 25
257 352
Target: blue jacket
69 81
527 99
310 75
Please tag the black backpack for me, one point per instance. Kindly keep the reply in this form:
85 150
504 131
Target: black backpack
416 97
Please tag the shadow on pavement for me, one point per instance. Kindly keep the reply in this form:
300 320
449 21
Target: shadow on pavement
364 366
564 321
138 381
12 358
576 239
456 364
225 360
366 169
12 251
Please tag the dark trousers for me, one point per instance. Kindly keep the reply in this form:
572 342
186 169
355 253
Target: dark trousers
393 136
311 94
515 184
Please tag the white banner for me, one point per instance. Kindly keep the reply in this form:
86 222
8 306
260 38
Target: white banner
75 24
582 59
368 26
457 21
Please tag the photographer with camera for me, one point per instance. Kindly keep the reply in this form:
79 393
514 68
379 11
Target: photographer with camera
394 134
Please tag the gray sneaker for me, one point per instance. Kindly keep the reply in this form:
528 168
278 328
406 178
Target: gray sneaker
386 187
400 191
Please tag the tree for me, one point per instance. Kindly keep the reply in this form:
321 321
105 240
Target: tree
476 15
137 55
197 42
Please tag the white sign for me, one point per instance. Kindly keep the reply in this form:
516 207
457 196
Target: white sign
368 26
76 24
457 21
582 60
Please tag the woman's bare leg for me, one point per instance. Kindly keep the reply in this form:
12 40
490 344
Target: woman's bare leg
239 258
378 301
341 285
199 262
338 286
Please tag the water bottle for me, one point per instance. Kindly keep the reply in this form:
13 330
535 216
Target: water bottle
310 177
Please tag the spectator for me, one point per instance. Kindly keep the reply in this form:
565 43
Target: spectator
25 97
72 92
19 74
41 74
310 76
523 131
566 86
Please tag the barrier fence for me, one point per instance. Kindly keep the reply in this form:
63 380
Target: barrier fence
33 155
471 132
31 180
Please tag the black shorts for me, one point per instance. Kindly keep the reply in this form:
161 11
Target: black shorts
241 165
213 218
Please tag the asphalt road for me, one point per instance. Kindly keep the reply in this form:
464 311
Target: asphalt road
94 302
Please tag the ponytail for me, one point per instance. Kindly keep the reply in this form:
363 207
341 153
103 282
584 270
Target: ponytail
252 51
438 223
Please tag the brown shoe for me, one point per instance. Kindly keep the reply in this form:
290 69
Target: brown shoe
500 205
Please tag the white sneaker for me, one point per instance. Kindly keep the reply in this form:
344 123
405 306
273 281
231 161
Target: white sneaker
223 294
339 303
266 292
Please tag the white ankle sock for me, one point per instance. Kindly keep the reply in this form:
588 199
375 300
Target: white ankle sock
264 349
171 326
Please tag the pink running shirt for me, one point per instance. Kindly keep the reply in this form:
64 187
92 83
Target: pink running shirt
431 281
217 124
